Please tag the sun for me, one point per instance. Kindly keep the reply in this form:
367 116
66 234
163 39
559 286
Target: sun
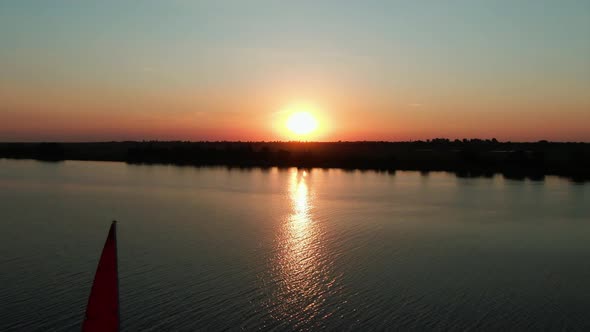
301 123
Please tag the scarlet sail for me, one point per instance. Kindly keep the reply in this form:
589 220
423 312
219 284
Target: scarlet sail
102 311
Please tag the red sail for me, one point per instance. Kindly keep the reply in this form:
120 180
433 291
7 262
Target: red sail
102 312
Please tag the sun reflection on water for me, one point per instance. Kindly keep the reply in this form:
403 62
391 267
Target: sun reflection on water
301 266
300 218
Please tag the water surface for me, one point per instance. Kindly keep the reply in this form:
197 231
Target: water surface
289 249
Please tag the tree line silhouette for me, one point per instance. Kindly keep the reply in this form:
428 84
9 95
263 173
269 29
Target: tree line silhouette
466 158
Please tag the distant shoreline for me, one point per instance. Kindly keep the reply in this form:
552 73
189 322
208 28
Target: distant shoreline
465 158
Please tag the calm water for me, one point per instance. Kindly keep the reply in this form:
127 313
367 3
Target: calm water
218 249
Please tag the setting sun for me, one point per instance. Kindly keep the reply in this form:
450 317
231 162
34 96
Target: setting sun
301 123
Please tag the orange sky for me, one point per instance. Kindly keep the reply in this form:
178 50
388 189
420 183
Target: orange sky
43 122
227 71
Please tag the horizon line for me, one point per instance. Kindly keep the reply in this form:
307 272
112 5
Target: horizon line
430 140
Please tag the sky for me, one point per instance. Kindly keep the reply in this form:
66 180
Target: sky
232 70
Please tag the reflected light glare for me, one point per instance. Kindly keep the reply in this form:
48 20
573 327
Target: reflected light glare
301 206
302 266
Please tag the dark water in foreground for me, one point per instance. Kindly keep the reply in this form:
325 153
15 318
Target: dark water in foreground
216 249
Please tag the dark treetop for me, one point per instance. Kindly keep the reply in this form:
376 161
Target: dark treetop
472 157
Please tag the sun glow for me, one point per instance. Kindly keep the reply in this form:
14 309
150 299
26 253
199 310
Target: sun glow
301 123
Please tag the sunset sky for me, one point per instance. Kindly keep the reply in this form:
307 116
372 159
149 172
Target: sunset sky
235 70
